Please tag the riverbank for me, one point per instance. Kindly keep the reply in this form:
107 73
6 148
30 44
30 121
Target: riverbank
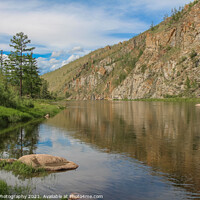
26 112
175 99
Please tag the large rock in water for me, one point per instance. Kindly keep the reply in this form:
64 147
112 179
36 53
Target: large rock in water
48 162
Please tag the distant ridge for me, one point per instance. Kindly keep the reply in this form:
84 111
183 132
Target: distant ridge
161 62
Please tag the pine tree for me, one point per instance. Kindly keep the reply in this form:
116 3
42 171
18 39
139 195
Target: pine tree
44 93
19 56
32 80
7 72
1 61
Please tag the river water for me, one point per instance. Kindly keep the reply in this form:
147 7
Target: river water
125 150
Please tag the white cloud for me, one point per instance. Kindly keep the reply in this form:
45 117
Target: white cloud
71 27
54 61
46 64
63 27
70 59
57 53
54 67
76 49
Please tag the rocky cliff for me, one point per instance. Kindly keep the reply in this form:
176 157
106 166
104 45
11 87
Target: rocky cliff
161 62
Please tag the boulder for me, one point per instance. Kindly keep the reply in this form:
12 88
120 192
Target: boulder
47 116
48 162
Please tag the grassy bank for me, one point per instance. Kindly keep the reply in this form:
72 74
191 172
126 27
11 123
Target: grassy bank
19 192
20 169
27 111
176 99
16 192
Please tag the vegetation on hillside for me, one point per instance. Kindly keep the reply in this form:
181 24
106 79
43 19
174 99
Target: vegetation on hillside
145 57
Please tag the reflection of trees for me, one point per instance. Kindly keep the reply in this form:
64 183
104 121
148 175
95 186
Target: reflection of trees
22 140
165 136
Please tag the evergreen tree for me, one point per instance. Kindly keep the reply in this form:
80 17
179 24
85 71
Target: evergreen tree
19 56
32 80
5 70
44 93
7 73
1 61
152 26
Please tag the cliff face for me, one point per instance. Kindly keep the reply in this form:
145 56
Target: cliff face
163 61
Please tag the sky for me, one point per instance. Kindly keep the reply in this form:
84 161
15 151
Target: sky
64 30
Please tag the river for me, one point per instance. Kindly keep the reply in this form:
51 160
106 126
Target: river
125 150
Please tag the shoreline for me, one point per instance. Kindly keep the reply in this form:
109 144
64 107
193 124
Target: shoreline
175 99
26 114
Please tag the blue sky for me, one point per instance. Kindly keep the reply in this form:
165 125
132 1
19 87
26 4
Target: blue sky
64 30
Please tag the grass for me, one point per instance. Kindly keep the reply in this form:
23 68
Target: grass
4 188
19 192
24 113
20 169
16 192
13 115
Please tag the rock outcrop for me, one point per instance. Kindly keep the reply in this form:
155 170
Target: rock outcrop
45 161
161 62
48 162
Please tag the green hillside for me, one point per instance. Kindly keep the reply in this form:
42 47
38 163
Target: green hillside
163 61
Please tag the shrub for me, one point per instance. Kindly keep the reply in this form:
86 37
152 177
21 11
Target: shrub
168 48
193 54
67 94
187 82
143 68
140 53
7 97
183 58
122 77
116 82
28 103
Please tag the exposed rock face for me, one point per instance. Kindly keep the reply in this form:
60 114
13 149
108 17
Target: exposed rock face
48 162
163 61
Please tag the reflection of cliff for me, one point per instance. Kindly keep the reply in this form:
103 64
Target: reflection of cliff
165 136
19 141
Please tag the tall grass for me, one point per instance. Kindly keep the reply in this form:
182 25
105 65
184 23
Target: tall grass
24 113
14 192
20 169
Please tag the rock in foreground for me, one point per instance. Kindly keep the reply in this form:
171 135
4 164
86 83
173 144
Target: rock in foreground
48 162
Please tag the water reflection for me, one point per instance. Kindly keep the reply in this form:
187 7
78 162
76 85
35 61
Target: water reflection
165 136
132 150
20 140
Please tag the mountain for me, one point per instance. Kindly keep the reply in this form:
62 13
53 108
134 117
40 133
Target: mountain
164 61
